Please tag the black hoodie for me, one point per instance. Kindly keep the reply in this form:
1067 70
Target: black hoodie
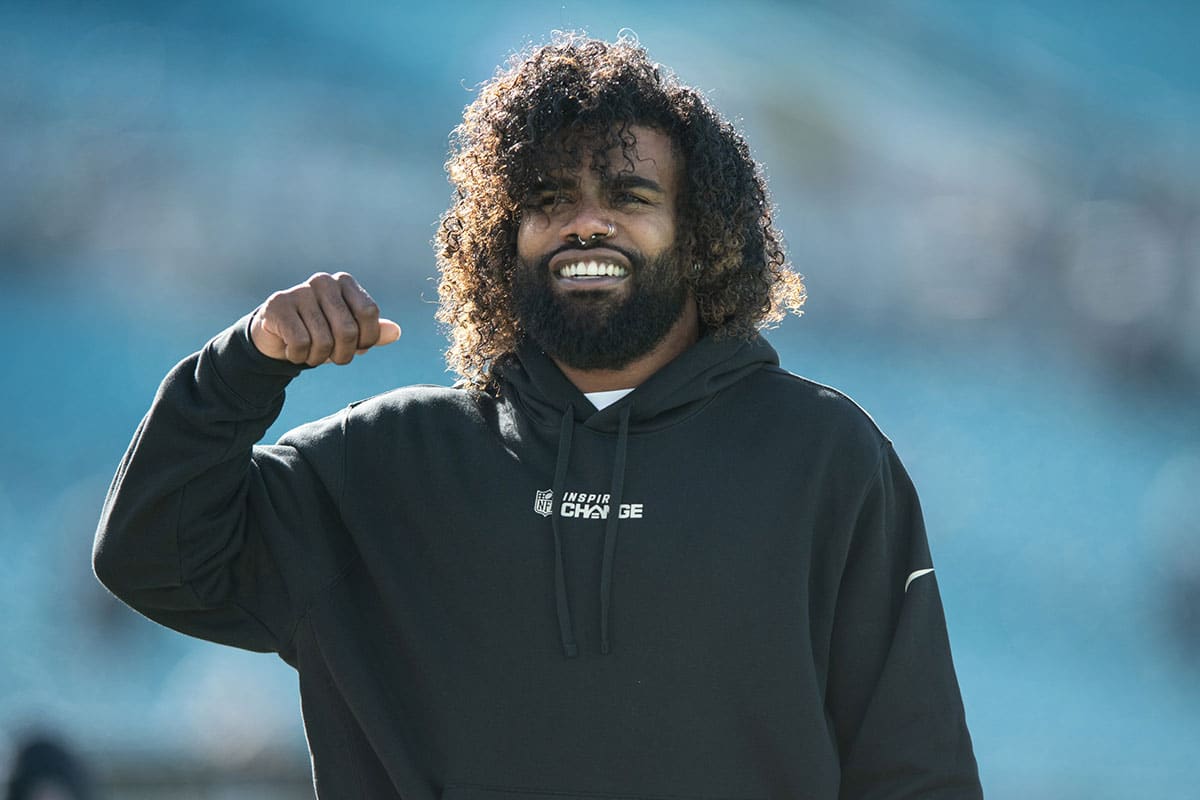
718 587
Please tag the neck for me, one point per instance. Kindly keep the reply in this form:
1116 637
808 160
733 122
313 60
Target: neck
682 335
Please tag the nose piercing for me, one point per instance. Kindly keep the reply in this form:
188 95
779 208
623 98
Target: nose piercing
595 237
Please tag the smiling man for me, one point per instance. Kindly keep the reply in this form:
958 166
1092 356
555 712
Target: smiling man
599 285
627 556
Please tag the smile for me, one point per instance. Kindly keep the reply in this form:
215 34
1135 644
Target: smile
591 269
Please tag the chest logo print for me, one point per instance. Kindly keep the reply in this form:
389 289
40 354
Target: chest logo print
581 505
543 502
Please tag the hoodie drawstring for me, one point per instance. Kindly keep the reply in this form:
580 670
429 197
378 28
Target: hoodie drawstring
610 526
565 629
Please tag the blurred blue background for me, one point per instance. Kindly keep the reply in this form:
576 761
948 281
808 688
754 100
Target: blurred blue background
996 207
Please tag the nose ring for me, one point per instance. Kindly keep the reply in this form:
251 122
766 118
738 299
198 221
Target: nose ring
596 237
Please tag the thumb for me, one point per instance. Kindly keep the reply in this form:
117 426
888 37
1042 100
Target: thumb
388 332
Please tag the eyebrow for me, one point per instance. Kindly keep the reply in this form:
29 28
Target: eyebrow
624 180
553 185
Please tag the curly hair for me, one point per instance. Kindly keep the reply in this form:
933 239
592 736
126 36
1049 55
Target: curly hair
532 119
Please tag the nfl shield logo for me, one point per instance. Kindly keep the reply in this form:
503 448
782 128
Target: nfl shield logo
543 502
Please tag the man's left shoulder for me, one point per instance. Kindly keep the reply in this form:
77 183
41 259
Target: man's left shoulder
796 400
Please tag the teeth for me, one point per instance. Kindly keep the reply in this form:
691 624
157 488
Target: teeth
592 269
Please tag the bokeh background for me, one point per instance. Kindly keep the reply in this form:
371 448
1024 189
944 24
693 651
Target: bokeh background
996 206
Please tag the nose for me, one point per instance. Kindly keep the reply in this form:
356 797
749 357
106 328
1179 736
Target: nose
588 224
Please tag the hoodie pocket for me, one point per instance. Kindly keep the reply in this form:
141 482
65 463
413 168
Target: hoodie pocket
466 791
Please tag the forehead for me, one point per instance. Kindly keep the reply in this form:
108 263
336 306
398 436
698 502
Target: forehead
652 155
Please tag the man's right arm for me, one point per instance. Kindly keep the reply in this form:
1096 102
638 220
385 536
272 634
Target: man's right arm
202 531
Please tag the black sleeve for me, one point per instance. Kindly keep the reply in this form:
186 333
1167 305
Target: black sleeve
892 694
206 533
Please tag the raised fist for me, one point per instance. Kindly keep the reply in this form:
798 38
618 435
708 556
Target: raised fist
326 318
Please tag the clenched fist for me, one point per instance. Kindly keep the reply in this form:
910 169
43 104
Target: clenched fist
326 318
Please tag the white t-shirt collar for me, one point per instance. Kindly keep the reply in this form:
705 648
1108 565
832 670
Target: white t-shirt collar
602 400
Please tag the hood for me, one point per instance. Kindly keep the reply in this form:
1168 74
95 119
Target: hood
672 394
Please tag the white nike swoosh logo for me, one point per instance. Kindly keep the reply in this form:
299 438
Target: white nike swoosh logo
916 575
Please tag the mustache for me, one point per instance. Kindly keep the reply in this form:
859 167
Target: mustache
635 259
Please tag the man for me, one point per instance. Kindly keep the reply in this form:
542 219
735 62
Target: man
628 556
43 768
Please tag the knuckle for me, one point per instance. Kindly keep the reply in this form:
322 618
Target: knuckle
288 298
346 330
318 279
322 339
272 304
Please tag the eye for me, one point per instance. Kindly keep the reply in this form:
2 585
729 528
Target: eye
629 198
547 199
540 199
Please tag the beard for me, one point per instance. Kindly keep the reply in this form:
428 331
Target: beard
593 329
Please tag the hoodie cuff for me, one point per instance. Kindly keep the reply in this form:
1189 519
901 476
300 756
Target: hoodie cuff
257 379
